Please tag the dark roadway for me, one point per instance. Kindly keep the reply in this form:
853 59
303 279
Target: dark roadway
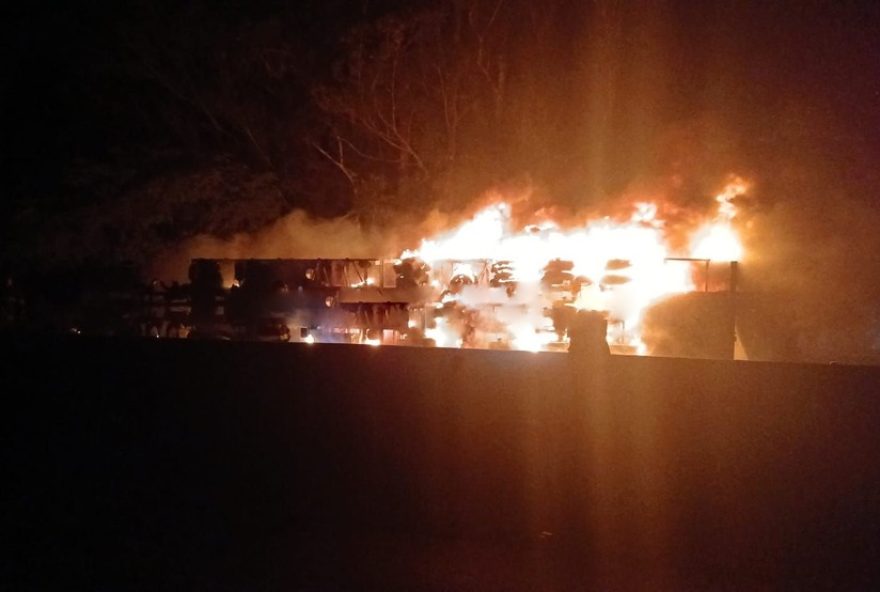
141 465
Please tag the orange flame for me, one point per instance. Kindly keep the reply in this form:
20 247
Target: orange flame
718 240
616 267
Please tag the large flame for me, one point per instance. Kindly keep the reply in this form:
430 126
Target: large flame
717 240
619 267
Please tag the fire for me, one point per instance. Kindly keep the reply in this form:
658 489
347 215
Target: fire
443 335
491 283
718 240
500 284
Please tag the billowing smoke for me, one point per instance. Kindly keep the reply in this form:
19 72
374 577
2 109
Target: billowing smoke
300 235
811 289
297 235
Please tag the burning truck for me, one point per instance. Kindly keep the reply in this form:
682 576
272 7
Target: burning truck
454 303
490 284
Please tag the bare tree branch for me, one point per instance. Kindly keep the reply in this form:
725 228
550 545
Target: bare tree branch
339 163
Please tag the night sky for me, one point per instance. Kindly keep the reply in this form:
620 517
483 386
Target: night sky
73 88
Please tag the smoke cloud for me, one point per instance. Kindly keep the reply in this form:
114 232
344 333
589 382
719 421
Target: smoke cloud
300 235
810 281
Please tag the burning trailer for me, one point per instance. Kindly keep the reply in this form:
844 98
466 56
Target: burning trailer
453 303
489 282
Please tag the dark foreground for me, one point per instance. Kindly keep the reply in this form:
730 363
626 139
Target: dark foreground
230 466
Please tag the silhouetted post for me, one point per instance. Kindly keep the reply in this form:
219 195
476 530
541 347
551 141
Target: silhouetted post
588 336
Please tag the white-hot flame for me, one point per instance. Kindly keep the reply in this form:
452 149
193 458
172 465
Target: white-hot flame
718 240
619 267
442 334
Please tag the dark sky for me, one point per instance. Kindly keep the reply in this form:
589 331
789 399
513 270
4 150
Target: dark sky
66 92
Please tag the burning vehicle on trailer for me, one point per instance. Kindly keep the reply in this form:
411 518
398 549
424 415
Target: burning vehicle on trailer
470 303
478 303
473 307
491 284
